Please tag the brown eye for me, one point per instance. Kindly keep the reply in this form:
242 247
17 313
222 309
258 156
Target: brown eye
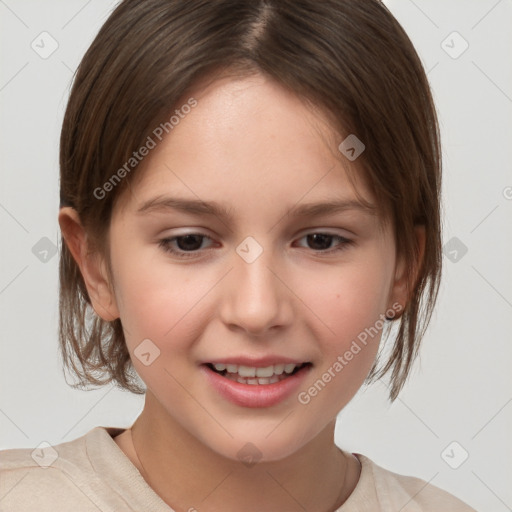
322 242
186 245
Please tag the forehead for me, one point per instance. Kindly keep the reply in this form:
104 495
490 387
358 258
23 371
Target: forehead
251 144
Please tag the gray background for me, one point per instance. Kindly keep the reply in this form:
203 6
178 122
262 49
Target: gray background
460 390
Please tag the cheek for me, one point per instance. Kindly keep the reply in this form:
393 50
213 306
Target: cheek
349 301
349 298
167 311
156 299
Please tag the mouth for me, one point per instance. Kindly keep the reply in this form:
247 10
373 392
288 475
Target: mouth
257 376
257 383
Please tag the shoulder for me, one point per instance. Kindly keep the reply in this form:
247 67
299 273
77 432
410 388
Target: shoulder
406 493
49 474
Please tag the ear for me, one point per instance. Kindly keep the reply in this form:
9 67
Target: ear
92 266
405 282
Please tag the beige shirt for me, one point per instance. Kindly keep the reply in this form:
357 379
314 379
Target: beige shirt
92 473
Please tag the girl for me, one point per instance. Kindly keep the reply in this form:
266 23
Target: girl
249 198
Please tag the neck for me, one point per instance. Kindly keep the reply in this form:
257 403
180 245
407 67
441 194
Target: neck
188 475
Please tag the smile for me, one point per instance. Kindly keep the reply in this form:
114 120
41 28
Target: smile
255 386
254 376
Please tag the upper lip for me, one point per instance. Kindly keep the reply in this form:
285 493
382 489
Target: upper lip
260 362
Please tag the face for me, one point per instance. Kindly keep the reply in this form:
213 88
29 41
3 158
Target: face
259 283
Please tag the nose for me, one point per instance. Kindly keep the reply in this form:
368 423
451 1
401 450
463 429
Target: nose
255 296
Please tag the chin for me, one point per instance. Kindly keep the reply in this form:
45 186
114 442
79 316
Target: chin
251 448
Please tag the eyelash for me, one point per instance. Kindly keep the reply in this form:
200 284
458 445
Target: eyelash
165 244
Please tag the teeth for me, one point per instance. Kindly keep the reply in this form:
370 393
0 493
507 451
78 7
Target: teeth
288 368
278 369
254 381
265 372
246 371
253 375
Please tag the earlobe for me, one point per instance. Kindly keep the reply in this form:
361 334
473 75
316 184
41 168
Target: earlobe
91 265
405 282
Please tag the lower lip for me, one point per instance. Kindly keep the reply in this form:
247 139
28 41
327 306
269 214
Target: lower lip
257 395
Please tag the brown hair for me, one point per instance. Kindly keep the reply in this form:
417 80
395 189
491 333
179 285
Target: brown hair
351 58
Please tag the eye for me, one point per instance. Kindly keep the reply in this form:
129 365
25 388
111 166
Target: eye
187 244
321 242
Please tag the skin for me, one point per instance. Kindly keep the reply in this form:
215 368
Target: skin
261 151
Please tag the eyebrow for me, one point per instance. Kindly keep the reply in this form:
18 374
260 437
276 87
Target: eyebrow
162 204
